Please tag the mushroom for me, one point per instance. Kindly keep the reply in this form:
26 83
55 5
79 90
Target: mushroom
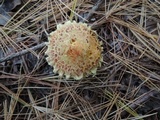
74 50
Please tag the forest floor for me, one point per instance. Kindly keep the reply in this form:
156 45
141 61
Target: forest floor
126 86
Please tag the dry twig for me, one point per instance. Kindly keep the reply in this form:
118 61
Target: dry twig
39 46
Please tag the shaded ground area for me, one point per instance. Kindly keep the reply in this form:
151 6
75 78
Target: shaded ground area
126 85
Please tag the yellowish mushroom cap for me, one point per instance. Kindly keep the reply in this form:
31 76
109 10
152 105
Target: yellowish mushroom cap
74 50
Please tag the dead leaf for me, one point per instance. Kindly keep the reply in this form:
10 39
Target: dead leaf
7 6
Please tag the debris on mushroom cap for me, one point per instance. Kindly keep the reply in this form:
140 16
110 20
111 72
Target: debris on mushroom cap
74 50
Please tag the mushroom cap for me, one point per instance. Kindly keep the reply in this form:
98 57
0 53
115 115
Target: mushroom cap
74 50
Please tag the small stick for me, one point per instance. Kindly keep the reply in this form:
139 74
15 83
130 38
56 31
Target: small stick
22 52
99 2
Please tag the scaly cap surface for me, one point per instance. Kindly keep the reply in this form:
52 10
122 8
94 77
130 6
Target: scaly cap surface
74 50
